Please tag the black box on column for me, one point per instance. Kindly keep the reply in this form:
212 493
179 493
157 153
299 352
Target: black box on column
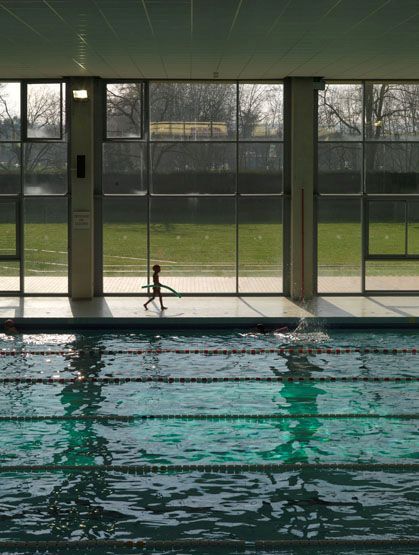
81 166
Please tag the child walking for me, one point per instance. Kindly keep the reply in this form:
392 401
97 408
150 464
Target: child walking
156 288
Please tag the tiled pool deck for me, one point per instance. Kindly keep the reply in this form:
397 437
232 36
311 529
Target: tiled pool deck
209 311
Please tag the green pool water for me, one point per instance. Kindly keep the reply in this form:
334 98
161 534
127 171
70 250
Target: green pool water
307 503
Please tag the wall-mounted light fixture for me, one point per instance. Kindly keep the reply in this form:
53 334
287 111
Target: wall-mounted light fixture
80 94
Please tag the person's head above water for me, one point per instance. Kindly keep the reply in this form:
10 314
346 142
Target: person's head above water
260 328
9 326
156 268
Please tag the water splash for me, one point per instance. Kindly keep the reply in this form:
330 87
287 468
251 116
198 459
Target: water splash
310 330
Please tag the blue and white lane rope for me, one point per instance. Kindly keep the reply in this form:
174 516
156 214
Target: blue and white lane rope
230 468
214 351
180 416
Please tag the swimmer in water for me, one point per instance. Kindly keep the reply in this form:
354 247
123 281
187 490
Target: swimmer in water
10 327
260 329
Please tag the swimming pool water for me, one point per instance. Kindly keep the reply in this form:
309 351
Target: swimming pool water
307 503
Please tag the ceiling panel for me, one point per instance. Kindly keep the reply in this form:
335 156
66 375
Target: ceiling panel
197 38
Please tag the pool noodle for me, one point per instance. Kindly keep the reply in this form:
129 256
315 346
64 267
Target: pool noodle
160 285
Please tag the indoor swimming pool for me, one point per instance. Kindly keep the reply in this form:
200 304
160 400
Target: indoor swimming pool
253 443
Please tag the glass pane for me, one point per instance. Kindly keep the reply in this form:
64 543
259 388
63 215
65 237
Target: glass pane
198 169
260 168
9 168
44 111
192 111
45 169
7 228
340 113
413 228
339 246
392 168
391 111
340 168
9 111
9 275
392 275
124 168
124 245
123 110
261 111
46 245
260 245
386 227
194 241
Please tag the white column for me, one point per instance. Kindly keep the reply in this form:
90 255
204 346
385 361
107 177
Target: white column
301 139
81 225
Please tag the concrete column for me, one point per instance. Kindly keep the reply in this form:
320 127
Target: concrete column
301 173
82 186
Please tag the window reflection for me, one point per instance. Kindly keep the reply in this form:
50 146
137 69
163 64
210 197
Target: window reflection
44 110
339 167
340 113
204 168
123 110
392 168
45 169
192 111
260 111
9 111
391 111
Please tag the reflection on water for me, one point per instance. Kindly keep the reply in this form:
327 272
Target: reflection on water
302 504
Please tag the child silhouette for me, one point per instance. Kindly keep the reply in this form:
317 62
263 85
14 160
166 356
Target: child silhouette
156 288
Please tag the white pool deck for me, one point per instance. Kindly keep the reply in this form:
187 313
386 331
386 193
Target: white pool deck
209 311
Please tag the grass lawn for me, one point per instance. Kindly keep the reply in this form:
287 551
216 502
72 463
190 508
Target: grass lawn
187 249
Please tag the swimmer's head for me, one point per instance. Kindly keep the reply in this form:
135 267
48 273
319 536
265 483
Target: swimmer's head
9 326
156 268
260 328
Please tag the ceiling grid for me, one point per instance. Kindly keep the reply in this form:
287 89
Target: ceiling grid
200 39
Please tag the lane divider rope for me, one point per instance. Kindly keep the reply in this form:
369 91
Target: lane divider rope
205 379
211 468
132 418
238 544
211 351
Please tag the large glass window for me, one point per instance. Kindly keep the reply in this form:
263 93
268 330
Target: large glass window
194 241
260 244
187 168
192 111
261 111
46 245
260 168
8 229
339 245
391 275
123 110
10 125
392 168
124 244
33 175
44 110
376 162
206 175
45 168
339 168
391 111
124 168
340 113
10 163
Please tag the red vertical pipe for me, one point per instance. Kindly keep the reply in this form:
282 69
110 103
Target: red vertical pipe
302 244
